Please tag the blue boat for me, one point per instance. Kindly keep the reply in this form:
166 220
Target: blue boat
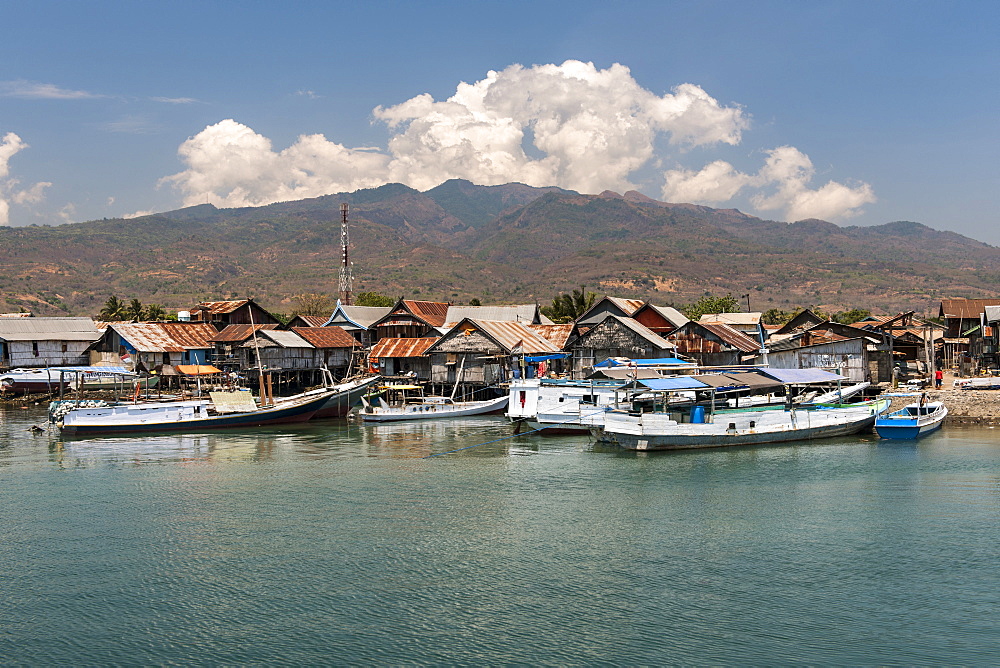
912 421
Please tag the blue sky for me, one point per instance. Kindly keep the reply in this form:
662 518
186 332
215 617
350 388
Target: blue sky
856 112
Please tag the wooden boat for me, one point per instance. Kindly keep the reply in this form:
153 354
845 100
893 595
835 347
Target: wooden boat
345 396
674 430
420 407
912 421
30 381
224 410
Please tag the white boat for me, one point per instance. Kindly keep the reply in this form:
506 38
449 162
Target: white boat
676 430
912 421
560 406
28 381
409 407
224 410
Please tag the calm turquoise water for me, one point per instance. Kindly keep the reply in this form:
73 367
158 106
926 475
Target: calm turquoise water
340 544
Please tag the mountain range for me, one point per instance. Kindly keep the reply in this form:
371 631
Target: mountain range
501 244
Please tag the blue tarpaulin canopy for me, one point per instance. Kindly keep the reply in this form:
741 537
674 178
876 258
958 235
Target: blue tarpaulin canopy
673 383
662 361
803 376
545 358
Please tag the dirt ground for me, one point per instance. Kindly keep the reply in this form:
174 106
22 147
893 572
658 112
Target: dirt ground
964 406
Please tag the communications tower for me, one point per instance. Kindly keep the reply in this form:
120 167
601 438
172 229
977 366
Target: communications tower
346 275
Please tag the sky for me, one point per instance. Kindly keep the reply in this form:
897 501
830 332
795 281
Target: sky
860 113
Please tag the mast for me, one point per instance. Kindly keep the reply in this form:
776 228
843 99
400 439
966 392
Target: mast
346 276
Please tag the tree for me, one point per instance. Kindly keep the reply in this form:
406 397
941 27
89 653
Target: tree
313 304
710 304
134 310
373 299
775 316
567 308
114 309
475 302
155 312
852 316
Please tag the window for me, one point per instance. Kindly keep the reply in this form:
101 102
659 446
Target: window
34 348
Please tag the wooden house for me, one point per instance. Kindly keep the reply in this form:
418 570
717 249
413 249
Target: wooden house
228 344
961 316
602 308
148 345
358 321
42 342
660 319
235 312
402 357
411 319
483 352
335 349
858 353
278 350
748 323
712 343
306 321
616 336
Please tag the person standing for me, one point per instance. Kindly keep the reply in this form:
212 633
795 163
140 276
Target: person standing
938 379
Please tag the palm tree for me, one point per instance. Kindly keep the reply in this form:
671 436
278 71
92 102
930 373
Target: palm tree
155 312
134 310
114 309
567 308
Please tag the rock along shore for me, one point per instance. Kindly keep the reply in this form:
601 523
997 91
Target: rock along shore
964 406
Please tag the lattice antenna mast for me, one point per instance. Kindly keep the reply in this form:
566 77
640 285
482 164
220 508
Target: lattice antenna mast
346 275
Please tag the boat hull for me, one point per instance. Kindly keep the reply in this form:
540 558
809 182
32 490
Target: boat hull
911 422
751 428
348 395
432 411
153 423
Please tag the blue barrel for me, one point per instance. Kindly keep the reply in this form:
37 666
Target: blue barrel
698 415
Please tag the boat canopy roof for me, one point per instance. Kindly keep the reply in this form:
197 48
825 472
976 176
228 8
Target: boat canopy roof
802 376
673 383
661 361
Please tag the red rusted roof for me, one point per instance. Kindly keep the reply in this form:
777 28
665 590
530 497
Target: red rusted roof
507 335
557 335
313 320
231 333
166 337
968 309
432 312
220 307
326 337
732 336
401 347
628 306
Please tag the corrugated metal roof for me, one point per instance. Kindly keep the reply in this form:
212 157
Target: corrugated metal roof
524 313
48 329
965 308
220 307
737 318
402 347
509 334
670 314
327 337
362 316
992 313
646 333
238 333
733 337
433 312
628 306
557 335
285 339
165 337
313 320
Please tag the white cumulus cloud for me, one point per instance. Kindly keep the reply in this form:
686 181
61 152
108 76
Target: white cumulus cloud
571 125
10 192
782 184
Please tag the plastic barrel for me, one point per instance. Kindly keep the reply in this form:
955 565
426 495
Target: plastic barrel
698 415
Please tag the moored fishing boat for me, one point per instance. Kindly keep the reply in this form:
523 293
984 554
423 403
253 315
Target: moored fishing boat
30 381
223 410
912 421
425 408
344 396
676 430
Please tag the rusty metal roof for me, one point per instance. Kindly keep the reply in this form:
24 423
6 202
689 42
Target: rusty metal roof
557 335
327 337
628 306
507 335
732 336
165 337
234 333
313 320
965 308
402 347
220 307
432 312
